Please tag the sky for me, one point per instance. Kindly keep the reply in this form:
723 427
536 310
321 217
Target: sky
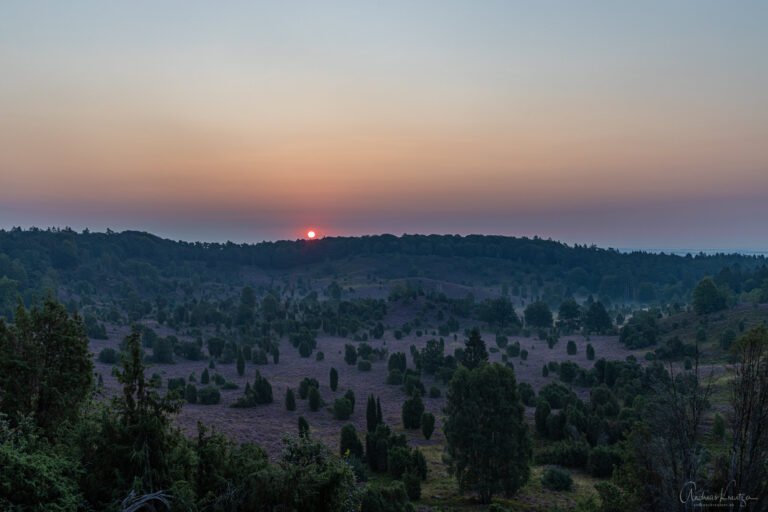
624 124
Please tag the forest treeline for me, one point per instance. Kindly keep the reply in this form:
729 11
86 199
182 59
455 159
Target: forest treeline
33 261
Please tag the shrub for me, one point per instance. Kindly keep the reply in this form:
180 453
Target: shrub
305 349
527 394
364 366
434 392
320 355
398 461
350 443
412 483
719 427
590 352
303 427
350 354
565 453
334 379
427 424
602 459
209 396
108 356
350 395
395 377
501 341
176 384
342 409
571 347
556 479
523 354
304 386
290 400
205 377
391 497
260 357
314 399
190 394
412 410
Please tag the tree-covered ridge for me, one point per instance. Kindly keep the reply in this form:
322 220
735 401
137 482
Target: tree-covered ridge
132 262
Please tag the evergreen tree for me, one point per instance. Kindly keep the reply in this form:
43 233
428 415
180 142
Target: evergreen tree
370 414
303 427
379 415
334 379
205 378
290 400
46 369
427 424
314 399
487 438
475 352
350 442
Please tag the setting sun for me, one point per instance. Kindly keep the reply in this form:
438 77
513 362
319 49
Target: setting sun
311 234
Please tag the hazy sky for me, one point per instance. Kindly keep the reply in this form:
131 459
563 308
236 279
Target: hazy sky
631 124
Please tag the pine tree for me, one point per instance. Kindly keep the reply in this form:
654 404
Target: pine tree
205 378
379 415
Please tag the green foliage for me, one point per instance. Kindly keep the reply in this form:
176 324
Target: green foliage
364 366
602 460
190 393
556 479
108 355
314 399
46 369
36 481
412 482
205 378
475 352
571 454
350 354
527 394
571 348
718 428
392 497
434 392
303 427
209 395
427 424
240 363
590 352
304 386
640 331
290 400
162 350
342 408
707 298
412 410
538 315
259 393
334 379
350 443
487 439
597 319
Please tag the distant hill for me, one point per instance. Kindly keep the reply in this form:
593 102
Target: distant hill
141 264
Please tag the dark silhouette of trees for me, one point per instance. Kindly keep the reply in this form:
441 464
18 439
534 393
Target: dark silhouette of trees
487 439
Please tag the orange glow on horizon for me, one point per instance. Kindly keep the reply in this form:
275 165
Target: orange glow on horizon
311 234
